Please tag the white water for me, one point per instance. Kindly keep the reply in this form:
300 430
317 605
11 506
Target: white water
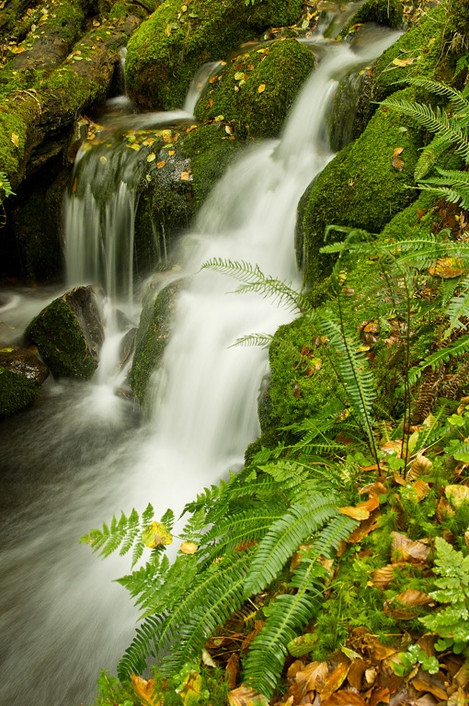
71 462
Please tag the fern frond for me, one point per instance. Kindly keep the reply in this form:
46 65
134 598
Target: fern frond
284 537
262 340
125 533
440 88
134 659
256 281
458 306
430 154
290 613
434 360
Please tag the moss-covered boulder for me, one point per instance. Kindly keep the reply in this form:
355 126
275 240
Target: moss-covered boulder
164 54
69 334
152 335
364 186
21 377
255 90
382 12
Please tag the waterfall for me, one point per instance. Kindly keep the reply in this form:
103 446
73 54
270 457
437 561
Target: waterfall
70 468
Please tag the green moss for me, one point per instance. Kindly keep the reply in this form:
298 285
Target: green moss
165 52
360 187
383 12
255 90
210 150
61 342
302 380
16 391
152 336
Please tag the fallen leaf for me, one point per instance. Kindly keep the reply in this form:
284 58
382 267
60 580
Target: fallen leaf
344 698
356 672
103 159
431 683
245 696
447 268
191 691
261 88
457 495
403 62
334 680
232 670
151 157
185 176
405 549
420 465
400 606
15 139
160 164
188 548
382 577
156 535
356 513
144 689
380 695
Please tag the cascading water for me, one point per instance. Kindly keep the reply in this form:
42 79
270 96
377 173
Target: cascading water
68 466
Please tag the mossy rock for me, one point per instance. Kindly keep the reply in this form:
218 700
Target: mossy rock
302 380
382 12
255 90
166 51
211 150
362 187
69 334
21 377
152 336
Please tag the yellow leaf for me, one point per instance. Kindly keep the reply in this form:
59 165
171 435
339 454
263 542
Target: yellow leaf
15 139
245 696
457 495
239 75
145 690
156 535
167 135
185 176
188 548
160 164
403 62
171 152
103 159
356 513
168 30
261 88
151 157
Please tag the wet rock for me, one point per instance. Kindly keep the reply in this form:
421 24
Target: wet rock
69 333
21 376
127 347
152 335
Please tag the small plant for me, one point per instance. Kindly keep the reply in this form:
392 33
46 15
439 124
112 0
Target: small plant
413 657
451 623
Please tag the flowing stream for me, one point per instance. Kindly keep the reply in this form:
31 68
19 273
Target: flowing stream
81 453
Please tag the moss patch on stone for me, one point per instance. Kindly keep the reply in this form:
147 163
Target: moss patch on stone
165 52
256 89
16 392
382 12
360 187
152 336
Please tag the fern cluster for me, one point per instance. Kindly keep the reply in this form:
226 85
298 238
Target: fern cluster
240 553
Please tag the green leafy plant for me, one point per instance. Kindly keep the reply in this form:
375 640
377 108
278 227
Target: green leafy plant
451 623
451 131
414 656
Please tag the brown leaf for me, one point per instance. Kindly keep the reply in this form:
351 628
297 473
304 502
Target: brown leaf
363 530
405 549
232 670
356 513
258 625
444 511
400 606
447 268
431 683
459 698
294 668
335 680
144 690
344 698
419 466
397 162
245 696
380 695
382 577
376 488
312 678
356 672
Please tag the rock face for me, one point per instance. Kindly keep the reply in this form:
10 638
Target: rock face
69 333
21 377
364 186
164 54
152 336
255 90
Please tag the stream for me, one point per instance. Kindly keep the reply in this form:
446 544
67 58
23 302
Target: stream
81 453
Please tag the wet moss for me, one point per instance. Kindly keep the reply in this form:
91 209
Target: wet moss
360 187
152 336
16 392
61 342
255 90
165 52
382 12
210 150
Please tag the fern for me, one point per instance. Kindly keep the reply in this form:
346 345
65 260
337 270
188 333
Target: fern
289 613
458 307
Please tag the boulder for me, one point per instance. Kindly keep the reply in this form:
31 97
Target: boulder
382 12
69 333
152 335
21 376
364 186
255 90
165 52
